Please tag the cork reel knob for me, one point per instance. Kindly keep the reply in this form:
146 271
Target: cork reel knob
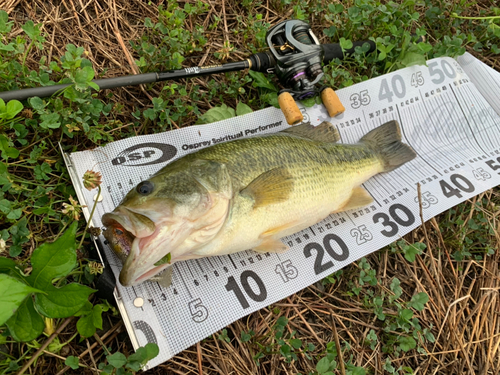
290 109
332 102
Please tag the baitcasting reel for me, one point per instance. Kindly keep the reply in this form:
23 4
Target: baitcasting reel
298 55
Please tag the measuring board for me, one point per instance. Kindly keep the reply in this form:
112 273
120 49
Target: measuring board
449 114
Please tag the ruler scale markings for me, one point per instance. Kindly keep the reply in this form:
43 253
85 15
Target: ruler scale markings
467 141
487 84
159 286
232 261
373 182
364 116
417 166
492 130
425 142
186 263
443 150
496 81
439 137
417 135
209 262
428 145
481 77
113 199
199 265
131 293
185 285
371 194
485 139
349 217
430 165
221 259
466 119
206 264
471 141
217 260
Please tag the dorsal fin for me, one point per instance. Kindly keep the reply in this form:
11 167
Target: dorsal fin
271 187
324 132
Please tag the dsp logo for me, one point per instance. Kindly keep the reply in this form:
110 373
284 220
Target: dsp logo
145 154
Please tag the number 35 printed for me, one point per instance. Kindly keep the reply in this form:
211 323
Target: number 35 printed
359 99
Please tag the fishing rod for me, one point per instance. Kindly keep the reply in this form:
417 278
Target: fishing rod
295 56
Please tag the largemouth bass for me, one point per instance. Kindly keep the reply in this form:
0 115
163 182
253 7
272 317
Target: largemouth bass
248 193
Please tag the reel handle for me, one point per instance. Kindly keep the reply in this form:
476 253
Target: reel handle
289 107
292 113
332 102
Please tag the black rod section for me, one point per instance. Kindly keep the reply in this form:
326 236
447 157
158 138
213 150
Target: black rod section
261 62
131 80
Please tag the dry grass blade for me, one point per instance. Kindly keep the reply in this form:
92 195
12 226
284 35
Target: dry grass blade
44 345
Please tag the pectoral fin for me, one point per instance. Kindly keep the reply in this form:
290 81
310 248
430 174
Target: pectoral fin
324 132
359 198
271 245
271 187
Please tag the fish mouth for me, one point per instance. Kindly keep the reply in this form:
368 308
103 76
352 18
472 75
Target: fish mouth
147 254
138 224
156 236
137 266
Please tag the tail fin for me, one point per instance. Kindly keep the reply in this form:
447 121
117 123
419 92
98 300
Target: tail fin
385 141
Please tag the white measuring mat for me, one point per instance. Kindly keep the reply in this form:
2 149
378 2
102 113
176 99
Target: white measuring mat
449 114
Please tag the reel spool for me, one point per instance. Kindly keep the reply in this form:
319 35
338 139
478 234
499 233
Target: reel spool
298 55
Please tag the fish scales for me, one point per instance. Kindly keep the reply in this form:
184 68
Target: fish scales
313 164
248 193
323 178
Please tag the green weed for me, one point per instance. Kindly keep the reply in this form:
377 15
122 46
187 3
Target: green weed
118 363
51 263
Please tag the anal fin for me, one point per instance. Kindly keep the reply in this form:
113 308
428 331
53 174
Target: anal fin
359 198
276 230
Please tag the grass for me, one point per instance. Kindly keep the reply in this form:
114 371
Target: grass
426 304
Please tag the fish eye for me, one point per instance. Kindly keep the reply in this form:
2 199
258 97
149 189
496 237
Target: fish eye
118 232
145 188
